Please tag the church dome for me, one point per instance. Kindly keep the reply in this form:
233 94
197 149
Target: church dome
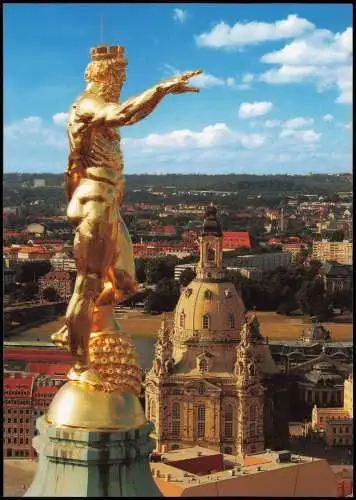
211 310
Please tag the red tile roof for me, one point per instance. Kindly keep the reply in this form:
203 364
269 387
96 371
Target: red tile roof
56 275
236 239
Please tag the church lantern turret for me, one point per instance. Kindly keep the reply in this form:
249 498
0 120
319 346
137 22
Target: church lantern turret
211 247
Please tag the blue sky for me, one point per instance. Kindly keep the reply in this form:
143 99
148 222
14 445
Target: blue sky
275 94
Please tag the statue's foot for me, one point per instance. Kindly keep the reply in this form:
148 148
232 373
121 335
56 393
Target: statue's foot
88 376
60 338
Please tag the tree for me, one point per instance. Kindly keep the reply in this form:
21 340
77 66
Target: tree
29 290
31 271
161 267
287 307
301 257
140 265
186 277
50 294
164 298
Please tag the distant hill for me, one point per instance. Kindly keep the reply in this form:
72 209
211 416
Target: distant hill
254 184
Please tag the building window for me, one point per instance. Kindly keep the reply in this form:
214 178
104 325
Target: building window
201 421
228 450
229 417
252 429
211 254
228 429
253 412
346 430
334 430
175 428
253 421
231 320
176 420
176 410
208 294
182 320
203 365
206 321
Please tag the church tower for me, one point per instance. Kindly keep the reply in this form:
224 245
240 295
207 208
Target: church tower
191 388
210 242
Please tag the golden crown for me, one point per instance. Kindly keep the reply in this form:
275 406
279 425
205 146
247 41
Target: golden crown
104 52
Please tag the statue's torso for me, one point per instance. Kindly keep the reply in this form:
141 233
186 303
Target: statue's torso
98 145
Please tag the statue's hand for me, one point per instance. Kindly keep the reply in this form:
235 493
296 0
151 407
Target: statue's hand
179 84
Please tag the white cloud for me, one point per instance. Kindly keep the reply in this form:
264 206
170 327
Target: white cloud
303 135
33 130
328 117
211 136
287 74
346 126
314 51
247 78
272 123
321 57
298 122
224 36
250 110
60 119
292 123
180 15
29 125
205 80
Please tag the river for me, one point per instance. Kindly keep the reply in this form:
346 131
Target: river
145 350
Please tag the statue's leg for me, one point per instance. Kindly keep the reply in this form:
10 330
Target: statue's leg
93 251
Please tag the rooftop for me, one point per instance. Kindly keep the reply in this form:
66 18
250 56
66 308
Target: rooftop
174 481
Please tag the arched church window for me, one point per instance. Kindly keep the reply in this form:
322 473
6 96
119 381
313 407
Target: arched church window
229 413
201 388
206 321
231 320
229 416
201 421
176 420
182 320
253 421
228 293
211 253
253 412
176 410
203 365
208 294
252 430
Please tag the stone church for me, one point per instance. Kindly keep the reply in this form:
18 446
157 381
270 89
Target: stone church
213 382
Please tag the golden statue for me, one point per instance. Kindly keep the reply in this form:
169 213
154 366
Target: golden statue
94 184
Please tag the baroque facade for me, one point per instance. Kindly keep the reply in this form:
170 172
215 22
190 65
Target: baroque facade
210 383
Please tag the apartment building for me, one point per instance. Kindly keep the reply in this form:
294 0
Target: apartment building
337 251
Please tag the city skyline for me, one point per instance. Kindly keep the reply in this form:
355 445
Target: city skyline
280 77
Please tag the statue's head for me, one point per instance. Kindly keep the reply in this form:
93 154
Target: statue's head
107 69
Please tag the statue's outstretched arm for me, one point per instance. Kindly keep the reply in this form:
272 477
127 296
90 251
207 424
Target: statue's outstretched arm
137 108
